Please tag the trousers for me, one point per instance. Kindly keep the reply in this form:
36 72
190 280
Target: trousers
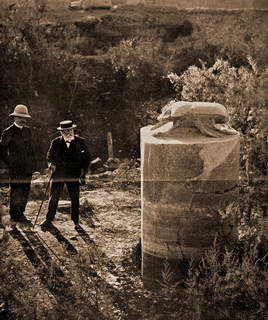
55 193
19 192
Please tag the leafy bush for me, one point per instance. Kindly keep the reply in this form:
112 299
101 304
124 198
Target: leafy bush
242 90
127 175
143 65
230 281
226 283
139 68
37 52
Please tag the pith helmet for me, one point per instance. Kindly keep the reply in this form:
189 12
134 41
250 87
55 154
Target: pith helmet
66 124
20 111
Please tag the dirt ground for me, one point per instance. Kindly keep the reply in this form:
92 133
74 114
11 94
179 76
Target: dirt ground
102 256
110 225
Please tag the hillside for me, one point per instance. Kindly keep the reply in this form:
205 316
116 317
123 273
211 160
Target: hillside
106 100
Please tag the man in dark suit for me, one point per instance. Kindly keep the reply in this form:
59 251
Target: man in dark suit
18 154
68 158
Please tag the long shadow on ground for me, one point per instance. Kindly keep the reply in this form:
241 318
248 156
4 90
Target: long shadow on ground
118 296
43 265
39 256
62 240
49 273
84 235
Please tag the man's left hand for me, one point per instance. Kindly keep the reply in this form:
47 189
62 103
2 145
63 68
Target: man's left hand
82 179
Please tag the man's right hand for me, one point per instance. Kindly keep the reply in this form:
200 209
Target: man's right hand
52 168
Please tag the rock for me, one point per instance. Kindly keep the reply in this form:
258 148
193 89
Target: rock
64 206
101 170
124 164
88 4
86 207
113 163
87 211
4 217
75 5
96 164
104 175
38 187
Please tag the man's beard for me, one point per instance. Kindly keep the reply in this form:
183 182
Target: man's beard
68 135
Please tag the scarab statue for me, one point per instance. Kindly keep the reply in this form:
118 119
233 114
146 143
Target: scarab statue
189 174
195 118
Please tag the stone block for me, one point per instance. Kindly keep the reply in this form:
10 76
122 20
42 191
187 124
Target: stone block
96 164
187 181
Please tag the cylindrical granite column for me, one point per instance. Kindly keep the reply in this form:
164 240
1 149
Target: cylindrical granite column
187 177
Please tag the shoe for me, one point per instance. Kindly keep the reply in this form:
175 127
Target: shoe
13 222
77 226
46 225
22 219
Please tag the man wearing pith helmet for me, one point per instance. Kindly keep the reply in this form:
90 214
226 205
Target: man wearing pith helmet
68 158
18 154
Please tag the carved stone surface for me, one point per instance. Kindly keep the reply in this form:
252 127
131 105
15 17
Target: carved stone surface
187 177
209 119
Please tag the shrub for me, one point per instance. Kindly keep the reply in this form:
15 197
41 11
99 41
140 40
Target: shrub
226 284
136 56
230 281
242 90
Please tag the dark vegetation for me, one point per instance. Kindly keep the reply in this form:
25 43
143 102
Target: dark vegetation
108 71
108 76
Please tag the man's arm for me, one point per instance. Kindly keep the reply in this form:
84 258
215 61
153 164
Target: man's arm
4 146
32 151
85 159
51 157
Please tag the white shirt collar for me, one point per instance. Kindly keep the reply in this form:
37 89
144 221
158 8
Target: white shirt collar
18 125
68 142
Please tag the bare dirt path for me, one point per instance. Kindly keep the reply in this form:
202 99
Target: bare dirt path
110 229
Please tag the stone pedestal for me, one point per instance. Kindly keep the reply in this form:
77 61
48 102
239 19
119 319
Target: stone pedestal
185 182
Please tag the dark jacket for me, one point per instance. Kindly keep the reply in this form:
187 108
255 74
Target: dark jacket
68 161
17 151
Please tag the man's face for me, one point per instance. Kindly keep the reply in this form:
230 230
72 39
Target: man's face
67 133
20 121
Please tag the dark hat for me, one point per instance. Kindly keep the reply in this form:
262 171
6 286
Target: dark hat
20 111
66 124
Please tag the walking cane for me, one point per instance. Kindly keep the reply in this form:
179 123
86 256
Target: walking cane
43 199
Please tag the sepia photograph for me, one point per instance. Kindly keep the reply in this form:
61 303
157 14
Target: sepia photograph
134 160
